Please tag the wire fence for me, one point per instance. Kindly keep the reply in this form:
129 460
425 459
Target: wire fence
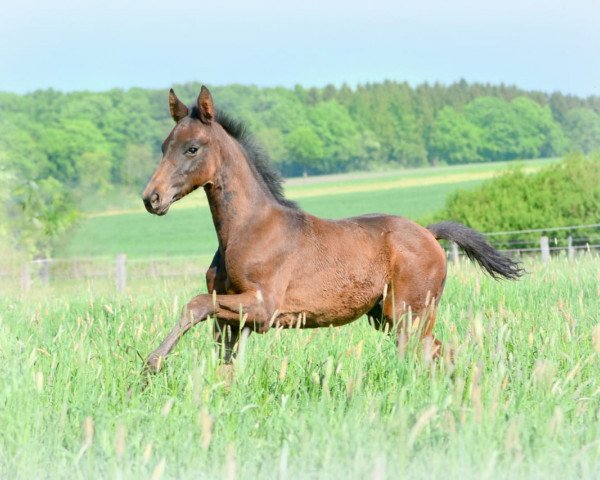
120 272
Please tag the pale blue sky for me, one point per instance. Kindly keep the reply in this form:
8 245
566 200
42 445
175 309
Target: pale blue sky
79 44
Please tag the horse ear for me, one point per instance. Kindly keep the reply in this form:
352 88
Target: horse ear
205 105
177 107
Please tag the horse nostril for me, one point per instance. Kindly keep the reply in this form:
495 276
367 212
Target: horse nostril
152 201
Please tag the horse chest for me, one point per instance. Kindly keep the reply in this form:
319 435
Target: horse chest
242 272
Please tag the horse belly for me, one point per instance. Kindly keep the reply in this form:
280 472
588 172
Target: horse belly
331 300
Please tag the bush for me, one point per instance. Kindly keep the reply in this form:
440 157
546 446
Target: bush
563 194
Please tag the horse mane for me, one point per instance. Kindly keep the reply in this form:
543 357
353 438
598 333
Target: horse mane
258 159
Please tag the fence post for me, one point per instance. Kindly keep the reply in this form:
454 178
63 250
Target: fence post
453 252
25 277
570 249
545 247
75 269
121 272
45 271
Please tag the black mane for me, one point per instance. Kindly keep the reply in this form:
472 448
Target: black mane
258 158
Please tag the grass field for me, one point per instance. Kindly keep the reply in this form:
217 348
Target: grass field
190 231
521 401
121 225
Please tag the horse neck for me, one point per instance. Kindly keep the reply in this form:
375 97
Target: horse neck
236 197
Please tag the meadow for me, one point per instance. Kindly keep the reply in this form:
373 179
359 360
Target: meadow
521 400
117 222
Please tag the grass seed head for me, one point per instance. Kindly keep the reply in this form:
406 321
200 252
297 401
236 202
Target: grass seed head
39 382
544 372
167 407
358 350
512 443
159 469
596 338
206 423
120 437
556 421
424 418
147 455
88 431
283 369
230 462
477 330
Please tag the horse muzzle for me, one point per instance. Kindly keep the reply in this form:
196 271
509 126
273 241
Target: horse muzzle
155 204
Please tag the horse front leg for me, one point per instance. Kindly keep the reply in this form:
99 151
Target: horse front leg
231 309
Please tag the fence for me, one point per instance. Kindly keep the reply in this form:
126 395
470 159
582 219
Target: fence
543 241
120 270
117 272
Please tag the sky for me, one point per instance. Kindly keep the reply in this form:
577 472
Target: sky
97 45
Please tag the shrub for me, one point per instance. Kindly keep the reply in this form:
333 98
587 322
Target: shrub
563 194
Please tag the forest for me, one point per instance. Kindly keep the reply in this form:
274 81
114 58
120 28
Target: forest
56 147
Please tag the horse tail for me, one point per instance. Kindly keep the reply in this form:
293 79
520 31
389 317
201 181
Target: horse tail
478 249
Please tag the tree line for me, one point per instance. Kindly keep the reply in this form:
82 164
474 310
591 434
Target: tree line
54 144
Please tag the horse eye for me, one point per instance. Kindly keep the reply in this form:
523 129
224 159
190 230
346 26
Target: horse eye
192 150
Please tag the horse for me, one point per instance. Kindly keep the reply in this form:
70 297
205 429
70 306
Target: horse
277 266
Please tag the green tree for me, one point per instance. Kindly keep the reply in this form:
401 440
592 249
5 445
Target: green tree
39 214
539 134
94 169
499 126
273 141
454 139
64 145
339 135
583 128
138 165
21 149
386 109
304 147
517 129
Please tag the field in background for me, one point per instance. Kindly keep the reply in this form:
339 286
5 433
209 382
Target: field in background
521 401
123 226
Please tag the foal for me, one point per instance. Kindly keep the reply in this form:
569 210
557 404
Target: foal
283 267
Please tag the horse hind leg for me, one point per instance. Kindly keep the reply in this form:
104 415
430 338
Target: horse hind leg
403 313
375 315
227 338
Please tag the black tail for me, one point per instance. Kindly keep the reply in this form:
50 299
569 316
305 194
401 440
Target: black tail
478 249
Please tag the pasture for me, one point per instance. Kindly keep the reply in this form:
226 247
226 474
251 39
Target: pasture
119 224
521 401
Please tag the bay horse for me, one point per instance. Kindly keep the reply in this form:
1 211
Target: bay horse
278 266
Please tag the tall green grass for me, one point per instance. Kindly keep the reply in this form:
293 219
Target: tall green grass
522 399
